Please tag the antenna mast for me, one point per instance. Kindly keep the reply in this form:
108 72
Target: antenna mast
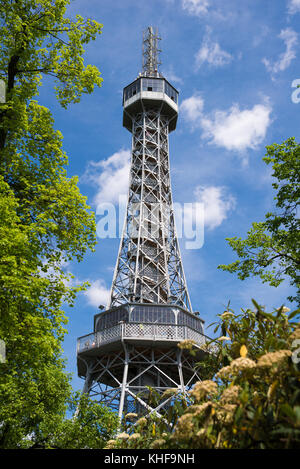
151 52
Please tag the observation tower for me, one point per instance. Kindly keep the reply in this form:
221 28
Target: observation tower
134 345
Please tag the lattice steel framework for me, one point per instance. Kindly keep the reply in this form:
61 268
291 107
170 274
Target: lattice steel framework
151 52
121 379
135 342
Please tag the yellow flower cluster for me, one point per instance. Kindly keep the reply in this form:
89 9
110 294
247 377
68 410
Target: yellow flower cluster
201 408
184 425
193 409
223 338
111 444
226 314
134 436
224 373
295 335
186 344
157 444
201 432
122 436
230 395
225 413
169 392
204 388
131 416
242 364
273 358
142 422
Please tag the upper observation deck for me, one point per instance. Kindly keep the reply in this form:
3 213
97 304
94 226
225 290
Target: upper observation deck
150 93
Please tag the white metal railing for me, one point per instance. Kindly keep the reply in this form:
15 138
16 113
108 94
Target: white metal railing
139 331
96 339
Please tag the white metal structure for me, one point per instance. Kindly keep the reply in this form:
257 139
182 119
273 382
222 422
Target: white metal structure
134 343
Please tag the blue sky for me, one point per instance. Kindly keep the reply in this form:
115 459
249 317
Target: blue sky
233 63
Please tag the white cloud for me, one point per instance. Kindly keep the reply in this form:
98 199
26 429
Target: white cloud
196 7
234 129
97 294
260 35
110 176
290 39
171 76
211 53
293 6
238 129
217 201
192 108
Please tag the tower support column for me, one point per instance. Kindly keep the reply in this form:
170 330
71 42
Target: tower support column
124 382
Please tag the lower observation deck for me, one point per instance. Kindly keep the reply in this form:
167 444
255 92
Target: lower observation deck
146 325
134 346
147 333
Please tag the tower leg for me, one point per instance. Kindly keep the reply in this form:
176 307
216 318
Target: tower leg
179 361
124 382
86 387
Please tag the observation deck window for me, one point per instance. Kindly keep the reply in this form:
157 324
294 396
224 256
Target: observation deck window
171 92
152 84
185 319
144 314
111 318
158 85
132 89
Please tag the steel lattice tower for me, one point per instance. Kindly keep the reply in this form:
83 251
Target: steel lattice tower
134 345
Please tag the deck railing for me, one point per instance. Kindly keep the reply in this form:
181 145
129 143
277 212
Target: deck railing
145 331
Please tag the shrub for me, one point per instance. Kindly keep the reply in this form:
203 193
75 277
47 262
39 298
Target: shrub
253 399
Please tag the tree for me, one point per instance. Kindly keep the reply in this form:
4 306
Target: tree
45 221
38 39
272 247
32 382
92 427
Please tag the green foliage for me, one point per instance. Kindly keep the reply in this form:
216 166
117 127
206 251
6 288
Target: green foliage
44 222
89 428
272 247
259 331
253 400
31 379
38 39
